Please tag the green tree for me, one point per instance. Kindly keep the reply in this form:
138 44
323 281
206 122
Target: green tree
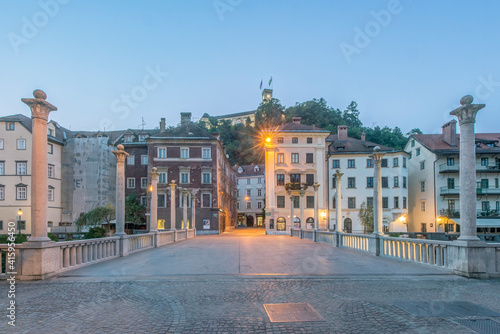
95 232
366 217
269 114
415 131
97 216
135 212
351 116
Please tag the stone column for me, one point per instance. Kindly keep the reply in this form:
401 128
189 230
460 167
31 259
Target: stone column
316 215
40 110
466 115
338 200
172 204
153 223
185 208
121 155
377 191
291 212
193 209
302 222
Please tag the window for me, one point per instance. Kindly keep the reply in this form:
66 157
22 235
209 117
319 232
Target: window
404 182
351 202
295 158
295 140
384 163
51 171
21 144
417 152
249 192
206 201
131 160
451 183
369 181
21 192
451 205
369 202
385 202
310 179
162 152
144 159
395 162
396 202
422 186
184 177
130 182
369 163
144 200
238 193
21 168
309 158
385 182
423 227
396 181
280 140
249 205
142 138
144 182
404 162
280 201
128 139
50 149
280 178
335 163
184 153
484 161
10 126
334 182
259 192
413 143
206 153
485 184
450 162
422 205
485 206
162 177
1 144
309 140
404 202
296 202
2 192
310 202
259 180
259 205
280 158
422 165
2 168
51 194
162 200
351 182
295 178
497 183
351 163
1 224
206 177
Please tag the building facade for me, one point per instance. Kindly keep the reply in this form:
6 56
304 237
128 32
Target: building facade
353 158
434 188
295 161
251 195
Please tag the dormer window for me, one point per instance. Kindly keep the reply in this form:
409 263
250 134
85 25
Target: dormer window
128 139
256 169
142 138
240 170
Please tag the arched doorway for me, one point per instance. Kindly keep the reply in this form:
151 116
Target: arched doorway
310 223
281 224
348 225
296 223
249 221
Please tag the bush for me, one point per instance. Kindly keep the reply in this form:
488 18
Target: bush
95 232
20 238
53 237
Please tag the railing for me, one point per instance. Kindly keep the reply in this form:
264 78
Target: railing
446 167
84 252
487 191
327 237
416 250
356 241
308 234
181 235
165 237
495 255
191 233
446 190
295 233
138 242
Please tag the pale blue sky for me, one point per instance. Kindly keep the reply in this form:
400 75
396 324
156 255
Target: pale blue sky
87 54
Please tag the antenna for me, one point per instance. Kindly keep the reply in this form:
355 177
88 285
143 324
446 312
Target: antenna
142 123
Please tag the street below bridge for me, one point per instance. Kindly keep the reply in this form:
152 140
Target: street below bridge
219 284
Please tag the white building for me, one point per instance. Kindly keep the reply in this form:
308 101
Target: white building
295 157
352 157
434 181
251 195
15 172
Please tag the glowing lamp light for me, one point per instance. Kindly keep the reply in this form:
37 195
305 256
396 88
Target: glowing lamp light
246 198
268 139
20 212
323 214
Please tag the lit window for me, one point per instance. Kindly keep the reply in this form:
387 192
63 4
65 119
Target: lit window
21 144
280 158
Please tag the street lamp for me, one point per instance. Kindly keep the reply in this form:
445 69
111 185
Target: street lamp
19 214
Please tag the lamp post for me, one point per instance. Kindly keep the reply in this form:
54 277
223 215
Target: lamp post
19 214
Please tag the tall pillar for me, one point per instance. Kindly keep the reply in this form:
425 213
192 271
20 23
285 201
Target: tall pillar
185 208
302 205
40 110
172 205
316 215
291 212
193 209
121 155
466 115
338 200
377 191
153 223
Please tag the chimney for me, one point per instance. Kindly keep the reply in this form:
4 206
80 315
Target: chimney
363 136
450 133
185 118
342 132
162 125
296 119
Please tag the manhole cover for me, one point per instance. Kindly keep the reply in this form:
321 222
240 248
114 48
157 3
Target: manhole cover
482 326
445 309
292 312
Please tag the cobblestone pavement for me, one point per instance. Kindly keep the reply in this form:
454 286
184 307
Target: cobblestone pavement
233 303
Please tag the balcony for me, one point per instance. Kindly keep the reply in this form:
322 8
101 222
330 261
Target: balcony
487 191
480 214
489 168
445 168
444 191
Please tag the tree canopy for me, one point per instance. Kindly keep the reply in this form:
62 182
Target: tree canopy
97 216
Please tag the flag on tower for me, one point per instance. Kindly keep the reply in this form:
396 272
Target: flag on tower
260 84
270 81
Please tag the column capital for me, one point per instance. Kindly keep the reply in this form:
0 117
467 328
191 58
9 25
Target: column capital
377 155
316 186
466 113
172 185
338 174
39 107
302 192
120 154
154 174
